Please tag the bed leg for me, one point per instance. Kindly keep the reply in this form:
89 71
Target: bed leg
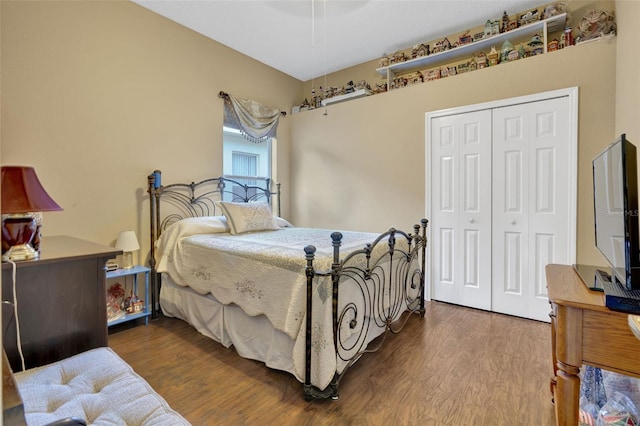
312 392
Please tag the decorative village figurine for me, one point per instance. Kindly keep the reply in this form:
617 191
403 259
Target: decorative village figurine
398 57
481 60
380 88
505 23
536 45
420 50
350 87
491 28
362 84
528 17
470 65
553 9
595 24
414 78
507 47
568 37
464 39
488 28
446 71
462 68
441 46
522 53
493 57
398 82
432 74
514 55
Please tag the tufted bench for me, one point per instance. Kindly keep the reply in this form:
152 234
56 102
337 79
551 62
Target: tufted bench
97 386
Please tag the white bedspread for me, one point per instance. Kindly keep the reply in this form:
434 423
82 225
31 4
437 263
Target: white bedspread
263 273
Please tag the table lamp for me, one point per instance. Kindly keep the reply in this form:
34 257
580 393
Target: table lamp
22 196
127 242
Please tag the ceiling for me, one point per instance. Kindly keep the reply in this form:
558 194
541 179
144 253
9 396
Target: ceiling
310 38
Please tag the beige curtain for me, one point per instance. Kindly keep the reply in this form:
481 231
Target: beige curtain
255 121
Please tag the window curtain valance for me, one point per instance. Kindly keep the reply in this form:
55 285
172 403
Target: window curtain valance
255 121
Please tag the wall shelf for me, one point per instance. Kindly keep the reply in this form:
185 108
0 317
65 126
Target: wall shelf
346 97
546 26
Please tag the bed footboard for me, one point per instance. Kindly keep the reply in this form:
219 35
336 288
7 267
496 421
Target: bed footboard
374 292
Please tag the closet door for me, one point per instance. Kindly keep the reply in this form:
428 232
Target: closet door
461 208
531 228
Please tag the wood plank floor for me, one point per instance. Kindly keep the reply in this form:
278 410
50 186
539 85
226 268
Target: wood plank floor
457 366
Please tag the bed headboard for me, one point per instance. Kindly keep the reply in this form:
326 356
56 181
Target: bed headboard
196 199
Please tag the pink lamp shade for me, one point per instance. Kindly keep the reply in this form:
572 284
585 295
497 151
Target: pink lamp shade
22 195
22 192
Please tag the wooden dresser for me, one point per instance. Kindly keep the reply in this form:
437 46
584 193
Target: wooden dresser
584 331
61 301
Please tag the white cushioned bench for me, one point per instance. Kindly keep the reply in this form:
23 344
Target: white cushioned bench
97 386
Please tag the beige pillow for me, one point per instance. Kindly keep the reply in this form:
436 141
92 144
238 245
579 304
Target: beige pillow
246 217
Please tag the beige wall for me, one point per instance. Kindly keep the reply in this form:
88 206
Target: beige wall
96 95
366 158
627 68
367 71
380 169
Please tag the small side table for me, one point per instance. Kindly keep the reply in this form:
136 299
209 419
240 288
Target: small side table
135 272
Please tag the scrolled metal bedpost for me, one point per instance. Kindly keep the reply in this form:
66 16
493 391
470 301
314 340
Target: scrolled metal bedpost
424 223
336 240
310 273
278 198
336 272
153 183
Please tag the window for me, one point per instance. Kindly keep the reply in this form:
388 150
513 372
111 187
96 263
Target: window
244 160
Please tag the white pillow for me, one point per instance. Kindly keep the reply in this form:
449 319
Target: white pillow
246 217
283 223
199 225
185 228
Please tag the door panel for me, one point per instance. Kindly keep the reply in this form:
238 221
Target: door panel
461 214
533 139
471 255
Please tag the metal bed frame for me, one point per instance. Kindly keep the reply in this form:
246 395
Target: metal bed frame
386 290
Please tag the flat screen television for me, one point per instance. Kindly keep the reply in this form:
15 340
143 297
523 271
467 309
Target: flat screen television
615 194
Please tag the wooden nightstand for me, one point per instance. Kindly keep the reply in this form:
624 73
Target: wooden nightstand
61 301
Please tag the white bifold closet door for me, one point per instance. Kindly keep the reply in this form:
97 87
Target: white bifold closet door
530 203
501 205
461 220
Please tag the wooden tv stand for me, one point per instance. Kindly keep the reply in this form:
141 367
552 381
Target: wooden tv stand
584 331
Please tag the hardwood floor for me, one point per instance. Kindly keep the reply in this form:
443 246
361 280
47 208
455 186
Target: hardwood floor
457 366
